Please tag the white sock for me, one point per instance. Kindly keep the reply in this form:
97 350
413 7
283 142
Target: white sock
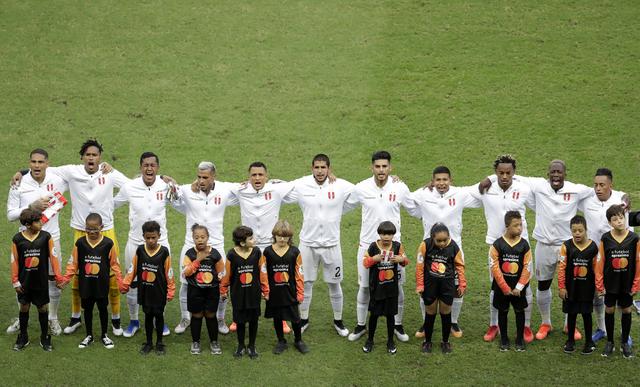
398 316
222 308
54 300
132 304
493 312
456 308
337 299
598 308
422 309
182 296
362 305
306 303
544 305
527 310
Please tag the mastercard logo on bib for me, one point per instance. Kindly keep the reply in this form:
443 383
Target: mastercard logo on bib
579 271
148 276
281 277
246 278
31 262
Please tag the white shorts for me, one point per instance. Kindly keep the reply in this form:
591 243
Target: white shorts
546 257
183 253
363 272
331 257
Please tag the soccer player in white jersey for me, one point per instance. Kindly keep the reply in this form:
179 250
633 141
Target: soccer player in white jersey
147 197
594 208
507 195
380 198
34 191
322 204
441 202
205 207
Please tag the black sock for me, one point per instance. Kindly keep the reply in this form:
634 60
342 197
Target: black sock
502 324
253 332
609 323
390 327
297 330
446 326
519 327
23 317
240 327
626 327
212 328
588 329
373 324
104 319
44 324
88 318
429 321
571 327
148 327
196 327
277 325
159 327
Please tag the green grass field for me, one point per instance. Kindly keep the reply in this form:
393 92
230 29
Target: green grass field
453 83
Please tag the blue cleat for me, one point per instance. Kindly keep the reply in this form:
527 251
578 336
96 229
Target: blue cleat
165 330
131 329
598 335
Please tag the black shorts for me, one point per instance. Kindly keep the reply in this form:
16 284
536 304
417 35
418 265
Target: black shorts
623 300
577 307
37 297
502 302
90 301
286 312
385 307
154 310
202 299
245 315
443 289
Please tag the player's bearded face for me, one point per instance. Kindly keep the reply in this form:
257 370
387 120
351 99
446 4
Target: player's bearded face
91 159
205 180
381 170
149 169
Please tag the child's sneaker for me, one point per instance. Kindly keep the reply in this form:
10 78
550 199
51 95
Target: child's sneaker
21 342
301 347
608 350
368 346
74 324
627 352
107 342
146 348
280 347
252 352
116 327
569 347
505 346
45 343
391 347
339 327
239 351
420 332
86 342
445 347
520 347
427 347
400 334
215 348
183 325
589 348
195 348
455 330
165 330
161 349
357 333
55 328
132 328
491 334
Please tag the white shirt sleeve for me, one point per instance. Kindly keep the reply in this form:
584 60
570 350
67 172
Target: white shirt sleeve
410 204
470 199
353 201
119 179
121 198
13 205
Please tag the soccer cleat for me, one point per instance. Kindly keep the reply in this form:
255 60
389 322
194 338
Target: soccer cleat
161 349
232 328
14 327
505 346
445 347
165 332
340 328
21 342
215 348
182 326
569 347
391 347
598 335
285 327
86 342
107 342
399 332
368 346
543 331
74 324
589 348
45 343
608 350
427 346
521 347
304 324
576 335
253 354
455 330
55 328
146 348
420 333
357 333
301 347
491 334
528 335
224 329
239 351
627 352
280 347
630 341
131 329
116 327
195 348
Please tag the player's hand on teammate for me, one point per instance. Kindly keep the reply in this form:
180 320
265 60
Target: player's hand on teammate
106 168
16 179
626 202
484 185
563 294
40 204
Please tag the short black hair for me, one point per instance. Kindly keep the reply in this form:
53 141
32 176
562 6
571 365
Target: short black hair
604 172
197 226
240 234
257 164
39 151
436 228
146 155
614 210
387 228
578 219
381 155
89 143
441 169
28 216
511 215
151 226
321 157
504 159
94 216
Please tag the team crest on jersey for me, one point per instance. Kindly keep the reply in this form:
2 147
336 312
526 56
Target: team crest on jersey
515 195
452 202
50 187
567 197
217 200
392 197
267 196
331 194
102 180
160 195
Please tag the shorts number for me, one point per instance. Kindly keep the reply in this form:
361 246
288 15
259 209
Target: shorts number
337 275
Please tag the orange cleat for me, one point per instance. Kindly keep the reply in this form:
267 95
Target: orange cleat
491 334
233 327
543 331
285 327
528 335
576 335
